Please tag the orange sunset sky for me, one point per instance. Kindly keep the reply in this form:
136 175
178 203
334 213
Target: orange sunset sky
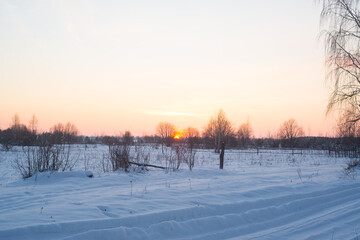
110 66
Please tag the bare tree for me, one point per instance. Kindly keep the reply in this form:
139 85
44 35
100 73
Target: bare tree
191 132
341 22
191 135
244 133
20 135
33 124
166 131
71 132
15 121
127 138
64 133
57 132
289 131
218 129
345 128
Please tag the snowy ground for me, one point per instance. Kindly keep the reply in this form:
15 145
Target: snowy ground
272 195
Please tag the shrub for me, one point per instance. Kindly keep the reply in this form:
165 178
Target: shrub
119 156
44 157
351 167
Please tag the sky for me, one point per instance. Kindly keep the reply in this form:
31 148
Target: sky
110 66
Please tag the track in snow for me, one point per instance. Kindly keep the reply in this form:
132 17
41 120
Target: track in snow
255 197
322 214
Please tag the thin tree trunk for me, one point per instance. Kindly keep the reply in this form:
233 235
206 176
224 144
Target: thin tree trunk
222 155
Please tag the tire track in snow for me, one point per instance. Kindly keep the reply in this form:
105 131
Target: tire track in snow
249 219
254 220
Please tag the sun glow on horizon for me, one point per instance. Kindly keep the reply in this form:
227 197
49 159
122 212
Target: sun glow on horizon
180 133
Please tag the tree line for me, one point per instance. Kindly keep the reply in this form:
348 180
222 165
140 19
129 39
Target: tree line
218 130
19 134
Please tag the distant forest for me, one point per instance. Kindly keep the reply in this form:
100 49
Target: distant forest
219 130
20 135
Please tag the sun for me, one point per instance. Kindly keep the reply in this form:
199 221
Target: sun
179 134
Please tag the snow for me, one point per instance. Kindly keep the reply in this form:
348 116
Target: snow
270 195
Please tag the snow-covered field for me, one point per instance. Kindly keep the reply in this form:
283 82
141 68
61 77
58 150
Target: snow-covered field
271 195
